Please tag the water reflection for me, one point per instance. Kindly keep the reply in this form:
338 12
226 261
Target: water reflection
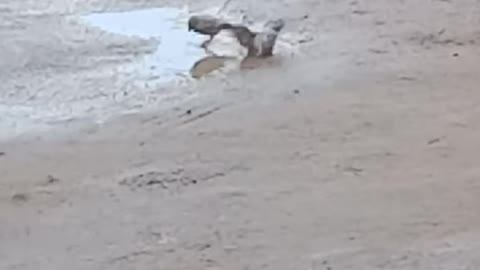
207 65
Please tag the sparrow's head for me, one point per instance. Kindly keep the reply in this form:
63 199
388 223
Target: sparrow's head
276 25
192 22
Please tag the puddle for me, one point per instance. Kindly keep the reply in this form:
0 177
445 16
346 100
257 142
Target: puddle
178 50
178 55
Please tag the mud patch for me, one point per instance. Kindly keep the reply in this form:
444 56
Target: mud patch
254 63
173 180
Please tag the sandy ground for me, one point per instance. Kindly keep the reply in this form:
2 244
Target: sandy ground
359 153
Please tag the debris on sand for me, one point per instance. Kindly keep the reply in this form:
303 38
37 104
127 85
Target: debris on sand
52 180
20 197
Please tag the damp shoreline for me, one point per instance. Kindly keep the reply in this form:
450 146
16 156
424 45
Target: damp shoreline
109 64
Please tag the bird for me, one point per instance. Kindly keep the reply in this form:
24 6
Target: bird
207 25
259 44
265 41
243 34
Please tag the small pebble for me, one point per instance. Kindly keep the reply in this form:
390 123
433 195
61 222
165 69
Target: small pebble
51 179
188 112
455 54
296 91
2 154
434 141
20 197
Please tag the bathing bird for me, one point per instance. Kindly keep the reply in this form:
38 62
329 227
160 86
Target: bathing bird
207 25
259 44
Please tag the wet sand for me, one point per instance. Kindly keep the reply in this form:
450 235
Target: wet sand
358 152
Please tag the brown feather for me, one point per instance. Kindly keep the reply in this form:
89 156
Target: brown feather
259 44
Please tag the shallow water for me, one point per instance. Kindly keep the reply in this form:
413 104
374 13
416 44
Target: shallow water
178 54
177 50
